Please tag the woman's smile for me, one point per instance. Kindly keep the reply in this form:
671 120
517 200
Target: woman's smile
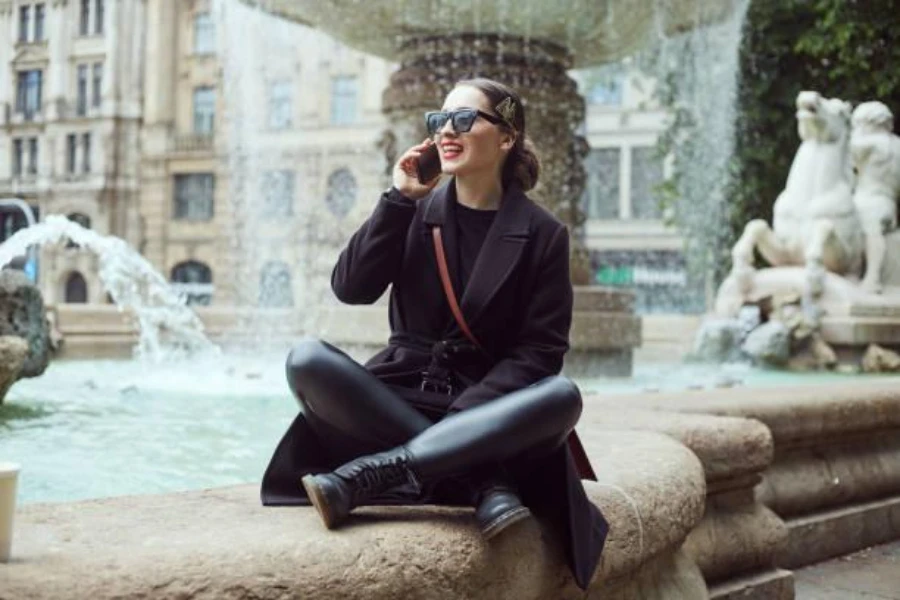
451 150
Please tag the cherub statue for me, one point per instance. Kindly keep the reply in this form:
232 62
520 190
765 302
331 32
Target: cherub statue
875 152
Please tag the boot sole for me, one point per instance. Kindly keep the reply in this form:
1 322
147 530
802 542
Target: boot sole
505 521
317 496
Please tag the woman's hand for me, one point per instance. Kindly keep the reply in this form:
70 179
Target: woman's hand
406 175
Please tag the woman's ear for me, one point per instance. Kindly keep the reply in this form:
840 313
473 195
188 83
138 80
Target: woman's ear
507 141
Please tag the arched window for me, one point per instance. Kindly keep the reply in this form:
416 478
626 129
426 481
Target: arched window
341 195
76 289
275 286
81 219
193 279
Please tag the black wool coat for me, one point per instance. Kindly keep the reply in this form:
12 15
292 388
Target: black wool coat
518 304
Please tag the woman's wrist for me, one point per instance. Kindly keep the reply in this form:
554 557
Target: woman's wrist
405 194
395 194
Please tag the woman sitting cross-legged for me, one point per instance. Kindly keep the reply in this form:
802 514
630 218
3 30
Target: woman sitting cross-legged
465 406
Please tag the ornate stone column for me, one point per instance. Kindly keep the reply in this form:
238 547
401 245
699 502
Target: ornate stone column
429 67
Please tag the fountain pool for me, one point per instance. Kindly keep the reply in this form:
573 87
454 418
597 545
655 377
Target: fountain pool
90 429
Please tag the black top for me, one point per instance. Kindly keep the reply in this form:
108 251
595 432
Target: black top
472 228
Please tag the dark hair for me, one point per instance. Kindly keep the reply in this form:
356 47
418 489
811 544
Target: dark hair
522 165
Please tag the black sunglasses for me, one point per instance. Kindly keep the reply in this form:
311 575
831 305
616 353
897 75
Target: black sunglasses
461 119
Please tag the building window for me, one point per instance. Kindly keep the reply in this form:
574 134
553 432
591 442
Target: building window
341 194
278 193
646 175
76 289
97 84
343 100
29 86
193 279
24 22
601 194
39 22
17 157
194 196
280 105
86 151
71 152
204 110
82 92
82 220
84 22
275 286
98 17
204 34
605 85
32 156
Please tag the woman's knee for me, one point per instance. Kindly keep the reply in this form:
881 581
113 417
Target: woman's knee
565 398
307 360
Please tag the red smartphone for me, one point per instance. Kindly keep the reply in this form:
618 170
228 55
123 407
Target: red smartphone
428 165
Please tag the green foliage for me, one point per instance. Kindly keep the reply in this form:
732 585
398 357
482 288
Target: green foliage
840 48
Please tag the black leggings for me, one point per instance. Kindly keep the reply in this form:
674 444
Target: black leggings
354 414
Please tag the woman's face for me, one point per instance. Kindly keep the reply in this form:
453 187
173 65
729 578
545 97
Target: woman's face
483 148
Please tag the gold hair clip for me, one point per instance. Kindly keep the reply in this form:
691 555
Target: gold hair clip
507 110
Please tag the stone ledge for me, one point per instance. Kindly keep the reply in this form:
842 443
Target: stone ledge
792 414
728 447
222 543
831 533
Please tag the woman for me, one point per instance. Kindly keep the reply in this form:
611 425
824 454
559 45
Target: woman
465 405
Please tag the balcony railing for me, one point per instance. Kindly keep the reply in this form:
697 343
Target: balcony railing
192 142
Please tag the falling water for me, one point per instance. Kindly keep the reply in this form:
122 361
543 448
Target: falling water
291 228
699 71
168 328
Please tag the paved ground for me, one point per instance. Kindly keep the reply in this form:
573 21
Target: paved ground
871 574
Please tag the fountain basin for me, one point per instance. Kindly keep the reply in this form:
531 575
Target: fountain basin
222 544
593 32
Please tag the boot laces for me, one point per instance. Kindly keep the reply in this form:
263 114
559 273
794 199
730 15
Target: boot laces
373 477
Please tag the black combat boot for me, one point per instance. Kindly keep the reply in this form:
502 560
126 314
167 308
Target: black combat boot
353 484
497 505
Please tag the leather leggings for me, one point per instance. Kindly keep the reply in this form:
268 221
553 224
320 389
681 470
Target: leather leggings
355 414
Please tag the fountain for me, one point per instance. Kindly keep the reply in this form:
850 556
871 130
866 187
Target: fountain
816 302
701 486
168 329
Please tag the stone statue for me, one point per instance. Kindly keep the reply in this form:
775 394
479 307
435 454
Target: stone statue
827 223
815 222
875 152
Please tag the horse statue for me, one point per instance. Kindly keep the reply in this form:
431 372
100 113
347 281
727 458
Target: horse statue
815 221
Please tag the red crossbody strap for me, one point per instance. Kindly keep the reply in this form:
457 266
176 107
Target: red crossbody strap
579 456
448 287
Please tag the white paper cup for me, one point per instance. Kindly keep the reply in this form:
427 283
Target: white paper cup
9 473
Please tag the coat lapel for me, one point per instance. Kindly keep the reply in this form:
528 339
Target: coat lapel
501 252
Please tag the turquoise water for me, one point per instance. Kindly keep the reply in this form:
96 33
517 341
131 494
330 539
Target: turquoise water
88 429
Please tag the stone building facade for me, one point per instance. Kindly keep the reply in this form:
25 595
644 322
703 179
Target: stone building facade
70 109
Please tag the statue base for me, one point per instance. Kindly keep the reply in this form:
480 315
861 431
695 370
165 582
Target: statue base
852 318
